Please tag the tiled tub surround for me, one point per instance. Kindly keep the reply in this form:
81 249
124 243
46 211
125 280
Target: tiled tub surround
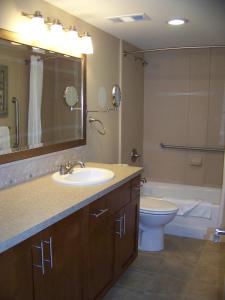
28 208
184 92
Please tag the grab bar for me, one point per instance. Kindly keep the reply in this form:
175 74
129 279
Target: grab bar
209 149
17 121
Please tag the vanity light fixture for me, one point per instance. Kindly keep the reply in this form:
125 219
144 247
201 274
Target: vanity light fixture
86 44
177 21
52 32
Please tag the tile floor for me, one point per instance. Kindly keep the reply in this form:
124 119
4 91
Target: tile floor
188 269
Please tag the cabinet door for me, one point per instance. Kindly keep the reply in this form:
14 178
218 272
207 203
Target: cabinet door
100 246
16 280
63 277
126 236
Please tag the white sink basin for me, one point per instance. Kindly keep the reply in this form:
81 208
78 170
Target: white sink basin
84 176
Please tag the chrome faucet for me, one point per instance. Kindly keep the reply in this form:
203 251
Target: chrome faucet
68 167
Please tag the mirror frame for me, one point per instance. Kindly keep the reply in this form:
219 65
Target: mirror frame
23 154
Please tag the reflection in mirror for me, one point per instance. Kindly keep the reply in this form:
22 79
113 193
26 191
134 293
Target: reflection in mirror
116 94
71 97
36 88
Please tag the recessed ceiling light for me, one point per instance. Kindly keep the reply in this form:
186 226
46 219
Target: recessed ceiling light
177 22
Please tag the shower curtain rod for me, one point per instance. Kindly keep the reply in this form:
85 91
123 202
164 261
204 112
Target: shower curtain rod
171 48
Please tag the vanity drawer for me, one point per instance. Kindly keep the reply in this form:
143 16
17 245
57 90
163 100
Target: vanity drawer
119 197
98 210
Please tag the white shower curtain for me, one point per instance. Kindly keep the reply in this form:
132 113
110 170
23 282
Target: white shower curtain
35 99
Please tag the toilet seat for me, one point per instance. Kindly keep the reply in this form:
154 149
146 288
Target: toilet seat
150 205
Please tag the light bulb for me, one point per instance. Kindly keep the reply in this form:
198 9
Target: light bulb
86 44
72 45
37 26
56 35
73 34
56 28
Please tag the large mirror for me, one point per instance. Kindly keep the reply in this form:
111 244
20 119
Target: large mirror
42 101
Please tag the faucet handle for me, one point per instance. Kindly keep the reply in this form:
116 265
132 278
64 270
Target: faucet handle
68 164
62 169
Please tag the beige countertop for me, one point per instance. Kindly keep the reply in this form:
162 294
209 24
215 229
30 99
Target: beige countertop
28 208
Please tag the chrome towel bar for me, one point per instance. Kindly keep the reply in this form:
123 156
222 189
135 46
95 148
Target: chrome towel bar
179 147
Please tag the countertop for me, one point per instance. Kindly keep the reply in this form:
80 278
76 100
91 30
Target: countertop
28 208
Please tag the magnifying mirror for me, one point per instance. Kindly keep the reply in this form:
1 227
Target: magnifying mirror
71 96
116 94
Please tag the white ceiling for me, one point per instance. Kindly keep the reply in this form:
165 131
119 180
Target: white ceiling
206 24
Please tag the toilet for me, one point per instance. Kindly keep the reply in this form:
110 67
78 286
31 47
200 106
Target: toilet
154 215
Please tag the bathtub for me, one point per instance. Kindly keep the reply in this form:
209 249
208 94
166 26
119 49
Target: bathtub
194 224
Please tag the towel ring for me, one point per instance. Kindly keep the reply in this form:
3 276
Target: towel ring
101 131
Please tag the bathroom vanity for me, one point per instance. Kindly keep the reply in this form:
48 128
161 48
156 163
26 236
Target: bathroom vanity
59 242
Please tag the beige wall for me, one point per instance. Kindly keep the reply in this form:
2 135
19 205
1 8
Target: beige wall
184 93
132 105
102 71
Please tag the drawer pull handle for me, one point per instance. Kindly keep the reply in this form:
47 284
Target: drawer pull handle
124 224
42 265
99 213
50 260
120 233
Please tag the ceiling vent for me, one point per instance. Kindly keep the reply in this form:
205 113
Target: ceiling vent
129 18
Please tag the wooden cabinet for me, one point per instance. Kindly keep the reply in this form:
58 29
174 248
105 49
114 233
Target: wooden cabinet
62 274
126 220
79 257
100 246
16 278
126 224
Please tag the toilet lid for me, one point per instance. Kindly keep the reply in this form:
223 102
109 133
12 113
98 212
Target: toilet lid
156 206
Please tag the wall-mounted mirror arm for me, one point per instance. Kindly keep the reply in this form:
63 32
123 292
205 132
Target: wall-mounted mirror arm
108 109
